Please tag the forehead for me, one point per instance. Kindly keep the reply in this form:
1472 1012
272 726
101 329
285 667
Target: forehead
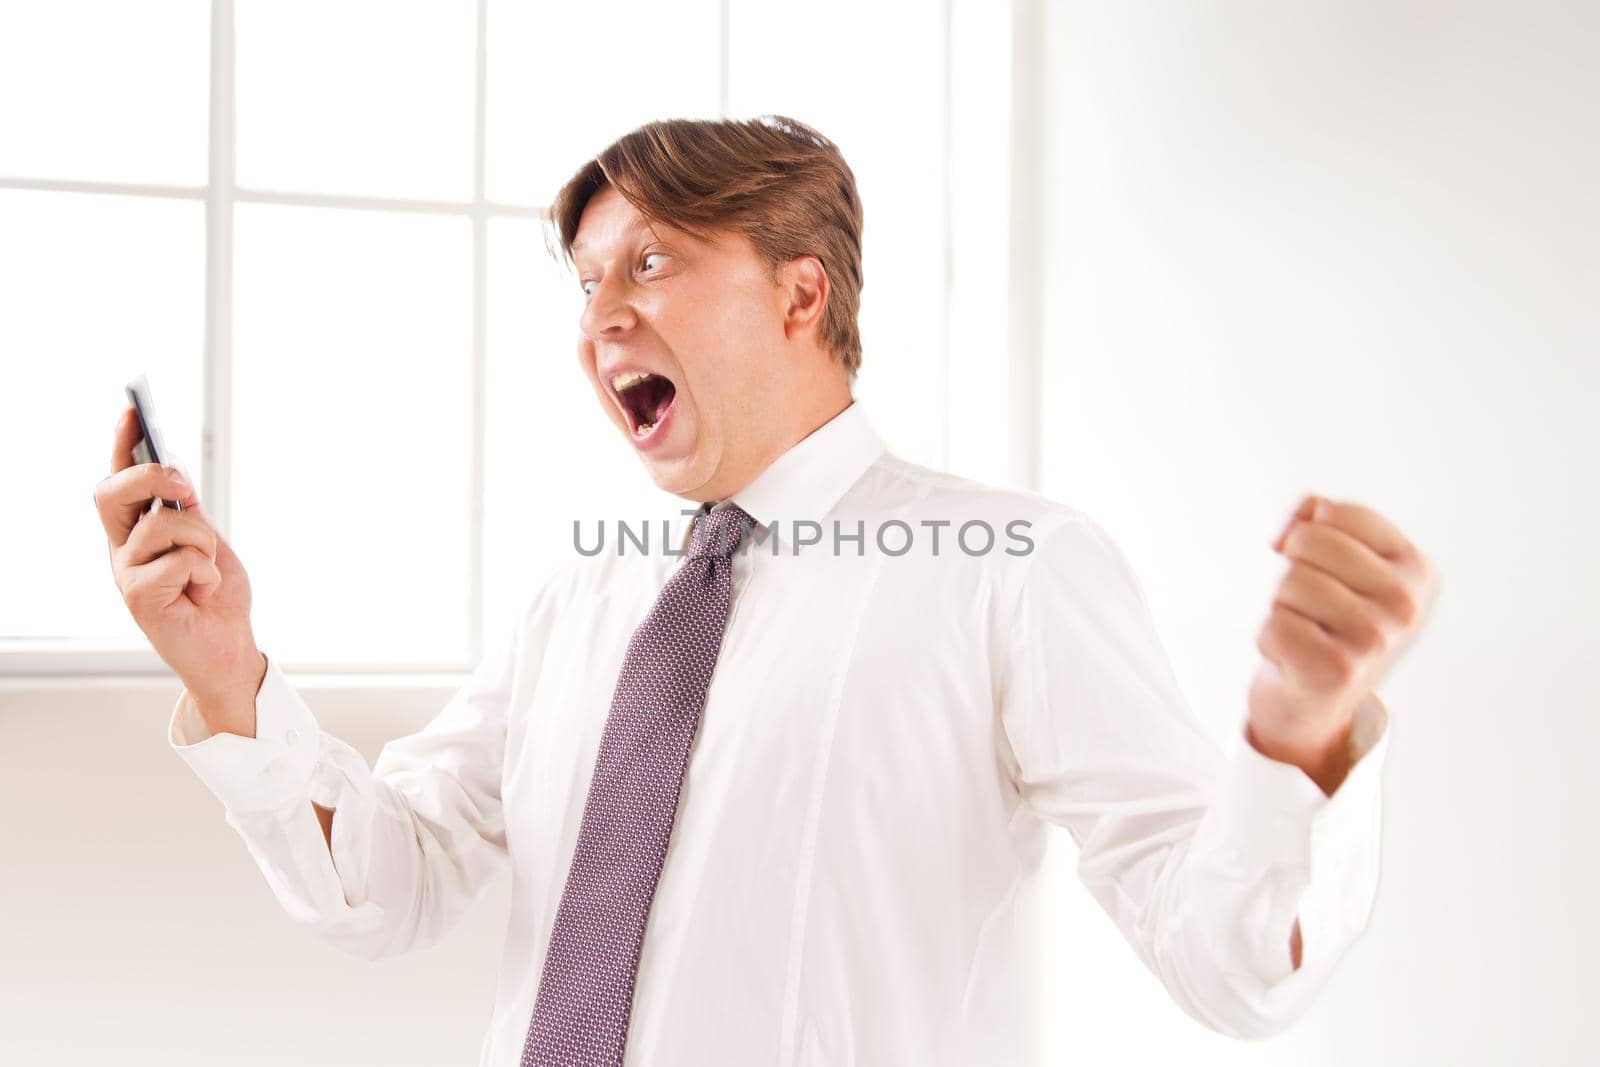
609 219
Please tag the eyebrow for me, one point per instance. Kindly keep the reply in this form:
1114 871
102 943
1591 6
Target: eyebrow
632 228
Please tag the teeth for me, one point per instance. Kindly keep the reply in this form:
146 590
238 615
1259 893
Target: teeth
644 429
622 381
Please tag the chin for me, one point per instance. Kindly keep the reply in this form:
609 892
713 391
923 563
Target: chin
683 476
672 477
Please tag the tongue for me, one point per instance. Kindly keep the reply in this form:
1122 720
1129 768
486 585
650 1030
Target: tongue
658 394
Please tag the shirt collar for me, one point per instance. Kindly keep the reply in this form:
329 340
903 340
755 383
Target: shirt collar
809 479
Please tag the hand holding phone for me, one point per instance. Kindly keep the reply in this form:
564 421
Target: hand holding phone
179 578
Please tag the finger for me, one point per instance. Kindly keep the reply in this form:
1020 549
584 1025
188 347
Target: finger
160 582
204 580
1302 651
1332 550
162 530
123 496
1365 525
1302 511
1335 606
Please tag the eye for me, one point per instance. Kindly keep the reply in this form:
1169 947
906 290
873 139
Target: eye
644 263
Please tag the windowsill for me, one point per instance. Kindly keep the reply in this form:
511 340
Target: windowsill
54 665
306 682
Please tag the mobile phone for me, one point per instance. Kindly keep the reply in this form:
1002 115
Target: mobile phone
151 447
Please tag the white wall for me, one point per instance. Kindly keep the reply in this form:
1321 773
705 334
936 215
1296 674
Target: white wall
135 928
1352 248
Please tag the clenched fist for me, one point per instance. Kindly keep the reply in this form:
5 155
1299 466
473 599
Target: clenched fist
1355 592
182 583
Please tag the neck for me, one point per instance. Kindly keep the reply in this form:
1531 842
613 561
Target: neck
798 421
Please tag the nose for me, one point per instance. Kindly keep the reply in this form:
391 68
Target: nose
607 312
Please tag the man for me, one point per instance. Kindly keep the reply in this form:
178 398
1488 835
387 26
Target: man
771 791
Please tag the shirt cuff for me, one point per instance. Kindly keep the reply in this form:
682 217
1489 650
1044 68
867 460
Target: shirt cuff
252 774
1274 816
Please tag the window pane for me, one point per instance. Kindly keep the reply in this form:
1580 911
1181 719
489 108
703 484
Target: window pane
893 139
97 290
352 432
553 455
558 94
104 90
356 97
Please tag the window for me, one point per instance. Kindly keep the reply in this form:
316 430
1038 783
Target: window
315 228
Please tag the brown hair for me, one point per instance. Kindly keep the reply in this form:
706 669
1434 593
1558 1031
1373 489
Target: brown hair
773 179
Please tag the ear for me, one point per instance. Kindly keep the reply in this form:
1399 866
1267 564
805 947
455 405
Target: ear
805 286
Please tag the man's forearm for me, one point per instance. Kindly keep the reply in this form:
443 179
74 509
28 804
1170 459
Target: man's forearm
325 817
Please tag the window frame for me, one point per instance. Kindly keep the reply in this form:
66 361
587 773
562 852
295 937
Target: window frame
34 659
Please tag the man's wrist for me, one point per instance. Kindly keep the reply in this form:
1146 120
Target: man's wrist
1324 757
232 709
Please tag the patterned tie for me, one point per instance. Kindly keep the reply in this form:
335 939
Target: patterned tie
586 991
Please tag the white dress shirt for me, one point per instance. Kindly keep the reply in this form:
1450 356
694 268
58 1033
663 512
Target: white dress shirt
885 738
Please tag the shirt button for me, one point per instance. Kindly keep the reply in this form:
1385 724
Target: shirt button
291 736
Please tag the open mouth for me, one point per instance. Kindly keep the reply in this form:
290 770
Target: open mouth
645 398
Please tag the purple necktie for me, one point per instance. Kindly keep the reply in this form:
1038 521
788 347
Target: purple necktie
580 1016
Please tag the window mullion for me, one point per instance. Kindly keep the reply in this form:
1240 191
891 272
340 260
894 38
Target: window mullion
722 59
480 283
216 461
1026 308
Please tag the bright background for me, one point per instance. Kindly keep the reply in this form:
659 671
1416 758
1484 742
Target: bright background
1172 264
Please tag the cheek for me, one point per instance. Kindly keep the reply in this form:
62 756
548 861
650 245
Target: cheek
586 362
715 331
724 306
